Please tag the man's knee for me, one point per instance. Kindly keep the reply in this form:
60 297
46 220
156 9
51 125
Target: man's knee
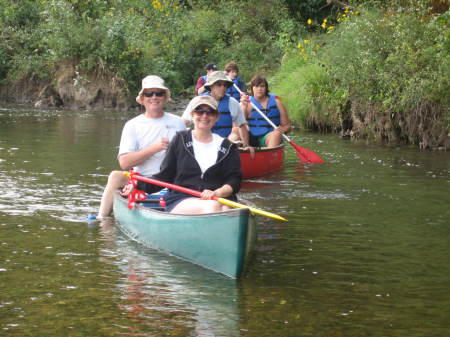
117 178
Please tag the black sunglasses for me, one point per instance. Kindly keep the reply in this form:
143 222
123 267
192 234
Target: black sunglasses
156 93
209 112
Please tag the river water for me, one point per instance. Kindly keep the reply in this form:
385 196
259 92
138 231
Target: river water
366 250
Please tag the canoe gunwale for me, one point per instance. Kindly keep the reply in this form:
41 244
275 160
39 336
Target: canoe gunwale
262 149
232 212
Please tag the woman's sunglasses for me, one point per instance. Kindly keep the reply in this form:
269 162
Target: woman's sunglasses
156 93
209 112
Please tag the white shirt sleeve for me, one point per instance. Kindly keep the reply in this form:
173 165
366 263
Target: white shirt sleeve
186 116
236 112
128 140
177 122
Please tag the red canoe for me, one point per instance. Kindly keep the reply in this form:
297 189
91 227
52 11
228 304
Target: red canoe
267 159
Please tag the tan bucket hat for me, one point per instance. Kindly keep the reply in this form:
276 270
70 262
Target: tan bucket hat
217 76
204 100
153 82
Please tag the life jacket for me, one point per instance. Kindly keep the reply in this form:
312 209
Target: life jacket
258 125
224 124
233 92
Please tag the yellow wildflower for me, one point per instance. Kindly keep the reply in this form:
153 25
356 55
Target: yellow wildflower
307 41
309 22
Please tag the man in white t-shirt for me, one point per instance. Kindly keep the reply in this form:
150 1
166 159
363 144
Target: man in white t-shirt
144 140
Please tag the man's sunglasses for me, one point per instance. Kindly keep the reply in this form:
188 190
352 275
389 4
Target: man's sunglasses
209 112
156 93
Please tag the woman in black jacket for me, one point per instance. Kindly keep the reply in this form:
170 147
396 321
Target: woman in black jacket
200 160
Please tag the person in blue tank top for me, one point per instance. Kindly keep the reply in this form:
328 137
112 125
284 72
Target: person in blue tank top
231 122
261 132
232 71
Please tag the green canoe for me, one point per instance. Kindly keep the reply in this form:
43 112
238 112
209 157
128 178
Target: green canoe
222 241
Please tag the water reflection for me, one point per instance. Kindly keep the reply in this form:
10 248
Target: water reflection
162 293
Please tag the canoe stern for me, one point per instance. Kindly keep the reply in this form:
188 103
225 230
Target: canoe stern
222 242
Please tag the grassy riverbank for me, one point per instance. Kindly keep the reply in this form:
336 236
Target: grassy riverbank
379 75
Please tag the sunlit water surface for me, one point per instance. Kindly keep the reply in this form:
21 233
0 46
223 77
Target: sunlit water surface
366 250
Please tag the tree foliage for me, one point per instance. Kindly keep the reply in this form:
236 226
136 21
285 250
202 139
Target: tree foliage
173 38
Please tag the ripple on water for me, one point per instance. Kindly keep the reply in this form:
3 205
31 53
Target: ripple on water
372 222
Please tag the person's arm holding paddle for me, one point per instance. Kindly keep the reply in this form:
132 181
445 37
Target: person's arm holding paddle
245 104
275 137
221 192
285 123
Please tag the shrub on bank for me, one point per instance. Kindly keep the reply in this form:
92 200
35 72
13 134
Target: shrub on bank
385 72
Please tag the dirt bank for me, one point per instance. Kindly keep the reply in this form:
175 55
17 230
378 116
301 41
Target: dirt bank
70 88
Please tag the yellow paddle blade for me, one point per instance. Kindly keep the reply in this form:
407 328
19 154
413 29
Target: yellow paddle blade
252 209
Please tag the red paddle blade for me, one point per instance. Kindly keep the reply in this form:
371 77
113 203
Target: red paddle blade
305 155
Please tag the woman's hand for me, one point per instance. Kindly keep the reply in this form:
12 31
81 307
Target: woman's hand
127 190
207 195
245 99
221 192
